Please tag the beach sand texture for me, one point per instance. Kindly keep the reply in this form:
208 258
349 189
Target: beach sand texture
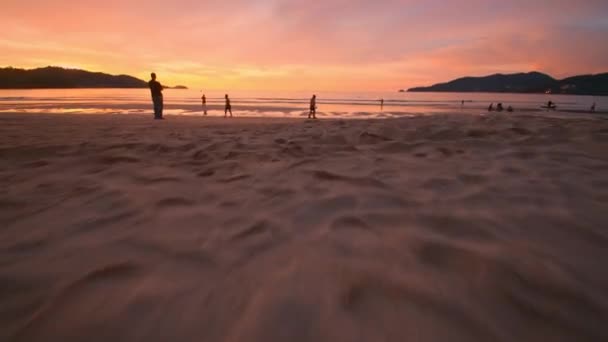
432 228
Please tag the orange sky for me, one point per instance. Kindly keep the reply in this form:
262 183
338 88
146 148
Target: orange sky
307 44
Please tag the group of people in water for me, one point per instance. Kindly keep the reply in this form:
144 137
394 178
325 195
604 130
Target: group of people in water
499 108
549 106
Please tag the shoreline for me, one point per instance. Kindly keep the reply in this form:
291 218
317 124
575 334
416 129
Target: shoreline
217 111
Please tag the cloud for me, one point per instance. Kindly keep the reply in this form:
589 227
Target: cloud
331 42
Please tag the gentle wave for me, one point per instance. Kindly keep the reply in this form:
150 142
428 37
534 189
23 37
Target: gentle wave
188 102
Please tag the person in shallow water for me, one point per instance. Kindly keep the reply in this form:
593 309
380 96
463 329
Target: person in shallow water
312 114
204 104
592 110
491 107
499 107
228 107
156 89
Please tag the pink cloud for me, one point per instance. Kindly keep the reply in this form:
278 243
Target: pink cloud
326 41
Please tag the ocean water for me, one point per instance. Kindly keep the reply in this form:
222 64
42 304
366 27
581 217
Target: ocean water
281 104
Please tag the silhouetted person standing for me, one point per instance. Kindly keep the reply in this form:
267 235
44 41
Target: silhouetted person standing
499 107
381 104
157 96
204 104
313 108
592 108
228 107
491 108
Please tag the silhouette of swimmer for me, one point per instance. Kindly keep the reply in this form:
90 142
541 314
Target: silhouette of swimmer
156 89
551 105
491 108
228 107
499 107
510 109
313 107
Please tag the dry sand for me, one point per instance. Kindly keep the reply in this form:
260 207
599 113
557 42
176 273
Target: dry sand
438 228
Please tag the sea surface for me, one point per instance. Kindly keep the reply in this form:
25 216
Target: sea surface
281 104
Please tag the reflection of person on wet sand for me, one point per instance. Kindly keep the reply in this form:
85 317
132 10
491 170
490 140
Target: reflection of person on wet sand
313 108
204 103
228 107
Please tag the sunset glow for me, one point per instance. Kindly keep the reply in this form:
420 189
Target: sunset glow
307 45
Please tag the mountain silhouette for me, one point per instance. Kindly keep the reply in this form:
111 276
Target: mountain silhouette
532 82
56 77
585 85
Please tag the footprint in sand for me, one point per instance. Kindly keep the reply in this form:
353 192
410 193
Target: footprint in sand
111 160
359 181
76 300
471 178
235 178
174 202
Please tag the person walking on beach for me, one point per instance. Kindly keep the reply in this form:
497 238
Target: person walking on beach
381 104
157 96
228 107
204 103
313 107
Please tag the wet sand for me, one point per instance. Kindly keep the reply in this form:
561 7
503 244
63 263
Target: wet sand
433 228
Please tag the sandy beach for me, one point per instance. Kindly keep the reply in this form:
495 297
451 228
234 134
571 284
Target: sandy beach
430 228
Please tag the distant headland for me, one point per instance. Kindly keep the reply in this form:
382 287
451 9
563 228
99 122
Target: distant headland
532 82
61 78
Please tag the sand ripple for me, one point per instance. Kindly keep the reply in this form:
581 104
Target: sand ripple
437 228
